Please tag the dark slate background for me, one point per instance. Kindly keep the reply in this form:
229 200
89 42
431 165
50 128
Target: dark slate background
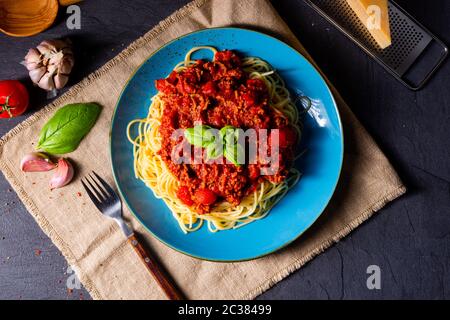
409 239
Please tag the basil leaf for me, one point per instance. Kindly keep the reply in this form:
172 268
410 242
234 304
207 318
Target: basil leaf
68 126
224 130
230 135
226 143
234 154
227 134
199 136
214 150
189 135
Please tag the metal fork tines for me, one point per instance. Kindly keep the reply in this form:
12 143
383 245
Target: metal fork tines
105 199
108 202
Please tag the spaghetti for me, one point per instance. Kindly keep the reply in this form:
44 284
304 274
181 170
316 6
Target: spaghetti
154 171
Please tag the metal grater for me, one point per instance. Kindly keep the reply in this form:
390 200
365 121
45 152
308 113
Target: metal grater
411 42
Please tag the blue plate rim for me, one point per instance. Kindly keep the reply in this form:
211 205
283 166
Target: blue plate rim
116 181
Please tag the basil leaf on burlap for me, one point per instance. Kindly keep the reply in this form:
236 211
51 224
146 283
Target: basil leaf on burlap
68 126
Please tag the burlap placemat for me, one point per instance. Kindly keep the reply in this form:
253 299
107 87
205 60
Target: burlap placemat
96 248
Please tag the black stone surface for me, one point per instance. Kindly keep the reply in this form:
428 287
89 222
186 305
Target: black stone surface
409 240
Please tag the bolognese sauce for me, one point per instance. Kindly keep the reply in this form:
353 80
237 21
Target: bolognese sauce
219 93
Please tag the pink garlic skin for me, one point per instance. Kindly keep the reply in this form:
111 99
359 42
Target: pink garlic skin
60 80
36 162
37 74
63 174
32 59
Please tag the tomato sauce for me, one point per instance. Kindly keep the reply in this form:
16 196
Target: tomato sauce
219 93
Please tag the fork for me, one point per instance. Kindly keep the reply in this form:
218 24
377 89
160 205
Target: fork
108 202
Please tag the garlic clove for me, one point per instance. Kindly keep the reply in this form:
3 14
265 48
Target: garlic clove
32 60
32 65
67 51
60 80
33 55
37 74
52 46
63 174
46 47
51 68
47 82
36 162
66 65
56 58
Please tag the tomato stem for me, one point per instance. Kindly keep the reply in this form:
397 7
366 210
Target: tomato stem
6 107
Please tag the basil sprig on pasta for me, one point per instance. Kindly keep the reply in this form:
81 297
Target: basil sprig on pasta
217 142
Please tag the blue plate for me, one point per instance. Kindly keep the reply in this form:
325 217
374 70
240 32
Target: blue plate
320 165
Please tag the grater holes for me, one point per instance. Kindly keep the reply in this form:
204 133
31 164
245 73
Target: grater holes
405 37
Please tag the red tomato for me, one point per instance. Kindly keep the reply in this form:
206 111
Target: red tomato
185 86
253 172
209 88
223 55
205 196
173 77
249 98
14 98
184 195
228 57
256 84
165 87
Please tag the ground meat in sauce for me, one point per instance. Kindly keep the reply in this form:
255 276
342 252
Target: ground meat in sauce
217 94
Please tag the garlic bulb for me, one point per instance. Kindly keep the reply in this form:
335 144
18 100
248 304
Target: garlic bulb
50 64
63 174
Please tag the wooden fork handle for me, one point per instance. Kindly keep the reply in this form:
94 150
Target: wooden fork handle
155 270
